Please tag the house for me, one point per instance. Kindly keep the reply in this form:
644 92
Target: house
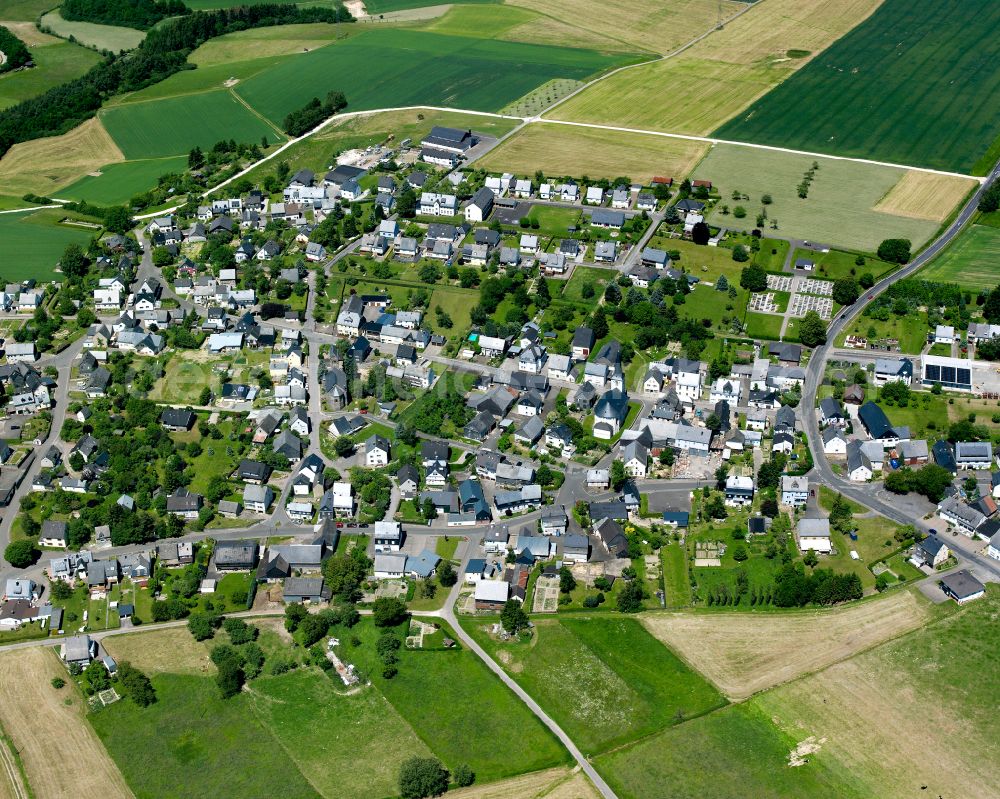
177 419
480 427
495 539
288 444
388 536
184 504
553 520
834 441
636 458
337 502
257 498
582 343
53 534
889 370
831 413
432 204
854 394
530 432
610 413
603 218
20 589
725 390
814 534
606 252
944 334
479 206
739 490
389 565
612 537
944 456
598 479
235 555
175 554
528 243
932 552
973 454
304 590
966 518
452 140
676 518
78 650
491 594
794 490
878 427
962 587
575 548
376 451
594 196
409 481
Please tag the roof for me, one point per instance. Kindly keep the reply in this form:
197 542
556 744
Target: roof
814 528
962 584
303 586
874 420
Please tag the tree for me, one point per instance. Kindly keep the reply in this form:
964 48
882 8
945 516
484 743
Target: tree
388 611
463 776
700 234
203 625
810 559
205 398
721 474
567 582
343 446
612 294
406 203
618 474
716 508
429 511
294 614
812 330
845 291
630 598
512 617
740 254
230 677
599 323
422 776
239 631
990 200
991 307
867 280
753 278
740 552
447 575
135 685
895 251
21 554
73 262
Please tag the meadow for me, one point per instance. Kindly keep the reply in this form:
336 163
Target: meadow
970 261
568 150
56 62
374 7
31 243
839 209
457 71
577 669
699 89
101 37
118 183
173 126
865 84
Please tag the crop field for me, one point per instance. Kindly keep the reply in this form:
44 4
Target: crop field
48 727
569 150
205 78
866 84
173 126
330 735
553 783
925 195
971 260
732 753
639 25
45 165
117 183
713 80
726 646
56 62
577 670
479 74
267 42
840 207
103 37
31 243
867 711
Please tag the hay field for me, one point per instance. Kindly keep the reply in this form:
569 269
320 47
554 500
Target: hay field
925 195
840 207
553 783
746 653
50 734
103 37
935 686
701 88
971 260
56 62
45 165
568 150
172 651
28 33
265 42
116 184
638 24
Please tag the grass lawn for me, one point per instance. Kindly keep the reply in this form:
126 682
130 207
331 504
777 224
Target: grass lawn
675 575
553 221
839 209
828 495
836 264
761 325
579 672
173 126
56 62
193 743
970 261
31 243
730 754
118 183
582 276
446 546
457 303
865 81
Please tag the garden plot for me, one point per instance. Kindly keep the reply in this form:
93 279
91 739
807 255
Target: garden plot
762 302
546 598
822 288
803 303
779 282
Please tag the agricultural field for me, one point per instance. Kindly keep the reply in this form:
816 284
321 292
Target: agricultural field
115 184
841 204
568 150
267 42
923 686
577 669
912 97
925 195
971 260
101 37
32 242
725 647
31 709
173 126
455 71
713 80
374 7
56 61
43 166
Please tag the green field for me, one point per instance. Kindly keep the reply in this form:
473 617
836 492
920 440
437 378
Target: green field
836 264
382 6
55 63
118 183
101 37
971 260
174 125
905 86
605 680
31 243
838 209
474 73
582 275
762 325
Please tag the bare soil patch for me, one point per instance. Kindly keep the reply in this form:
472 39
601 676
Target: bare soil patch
744 653
48 729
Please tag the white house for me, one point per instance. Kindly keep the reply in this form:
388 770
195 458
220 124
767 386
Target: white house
688 387
376 452
944 334
726 389
794 490
739 490
432 204
814 534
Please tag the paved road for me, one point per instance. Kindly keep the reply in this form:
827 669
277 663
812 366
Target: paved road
868 494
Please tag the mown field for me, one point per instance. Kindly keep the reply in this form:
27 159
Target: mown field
568 150
31 243
173 126
404 67
972 260
605 680
103 37
839 209
117 183
906 86
56 61
713 80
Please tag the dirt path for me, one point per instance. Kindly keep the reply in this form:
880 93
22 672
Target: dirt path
13 786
